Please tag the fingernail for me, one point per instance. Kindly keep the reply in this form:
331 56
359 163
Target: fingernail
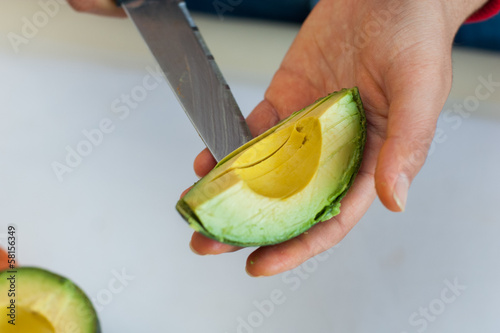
401 191
250 274
194 251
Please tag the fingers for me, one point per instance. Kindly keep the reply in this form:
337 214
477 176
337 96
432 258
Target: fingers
185 192
203 245
262 118
100 7
412 119
203 163
275 259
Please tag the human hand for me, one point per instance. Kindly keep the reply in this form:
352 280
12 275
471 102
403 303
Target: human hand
99 7
399 55
398 52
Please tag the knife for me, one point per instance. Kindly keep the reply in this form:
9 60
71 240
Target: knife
177 45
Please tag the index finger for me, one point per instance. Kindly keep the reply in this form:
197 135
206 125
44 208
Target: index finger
99 7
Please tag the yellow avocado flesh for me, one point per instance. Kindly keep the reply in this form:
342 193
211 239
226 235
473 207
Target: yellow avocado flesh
290 168
27 322
272 188
283 163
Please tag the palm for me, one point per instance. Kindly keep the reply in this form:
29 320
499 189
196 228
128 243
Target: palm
325 58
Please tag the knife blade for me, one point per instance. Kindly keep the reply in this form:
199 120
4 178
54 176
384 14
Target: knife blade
177 45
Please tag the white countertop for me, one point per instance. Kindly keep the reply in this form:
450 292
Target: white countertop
115 210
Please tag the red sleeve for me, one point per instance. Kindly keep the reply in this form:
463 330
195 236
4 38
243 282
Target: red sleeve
490 9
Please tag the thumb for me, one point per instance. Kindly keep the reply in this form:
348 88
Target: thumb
412 119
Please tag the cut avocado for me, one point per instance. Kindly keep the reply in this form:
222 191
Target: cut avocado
282 182
44 303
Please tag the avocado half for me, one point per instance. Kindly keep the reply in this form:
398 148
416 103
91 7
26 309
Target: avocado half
284 181
44 303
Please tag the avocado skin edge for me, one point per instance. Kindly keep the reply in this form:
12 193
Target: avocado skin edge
326 213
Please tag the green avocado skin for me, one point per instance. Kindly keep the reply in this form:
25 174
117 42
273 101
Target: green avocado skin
33 276
324 214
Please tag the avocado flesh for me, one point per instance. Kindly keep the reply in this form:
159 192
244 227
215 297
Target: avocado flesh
46 303
27 321
281 183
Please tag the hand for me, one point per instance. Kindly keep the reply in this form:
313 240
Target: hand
398 52
399 55
99 7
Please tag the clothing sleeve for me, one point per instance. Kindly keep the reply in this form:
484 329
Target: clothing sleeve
490 9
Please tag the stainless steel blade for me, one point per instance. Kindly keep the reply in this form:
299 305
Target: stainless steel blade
195 78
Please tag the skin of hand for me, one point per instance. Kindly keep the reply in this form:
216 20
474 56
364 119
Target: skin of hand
398 52
99 7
